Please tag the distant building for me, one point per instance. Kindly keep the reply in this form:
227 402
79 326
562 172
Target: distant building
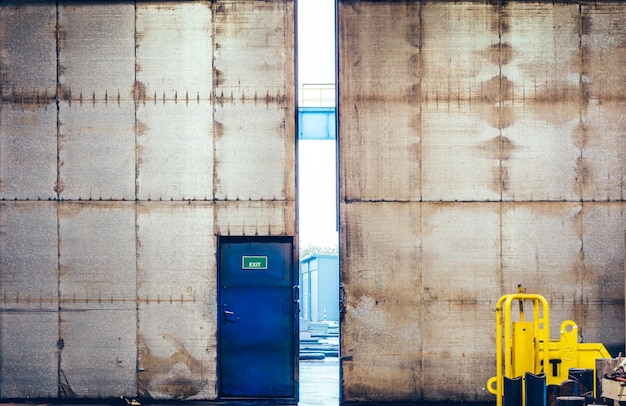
319 288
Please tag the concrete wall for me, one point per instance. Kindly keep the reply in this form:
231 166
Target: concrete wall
131 135
482 145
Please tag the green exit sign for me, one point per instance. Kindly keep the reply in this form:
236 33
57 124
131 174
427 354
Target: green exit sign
253 262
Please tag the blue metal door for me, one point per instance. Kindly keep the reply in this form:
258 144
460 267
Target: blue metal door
257 328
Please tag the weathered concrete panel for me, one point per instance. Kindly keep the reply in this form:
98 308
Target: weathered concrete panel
542 250
459 253
175 238
27 115
97 255
604 49
600 314
541 244
253 56
270 218
175 150
382 53
97 150
29 256
603 162
518 166
542 102
96 51
28 152
460 158
540 158
28 41
253 114
174 51
458 61
382 279
458 344
177 349
98 352
390 143
248 138
29 304
542 63
177 325
28 354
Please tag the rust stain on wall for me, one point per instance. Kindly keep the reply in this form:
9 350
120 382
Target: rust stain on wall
139 91
495 89
179 376
497 148
499 54
413 34
141 128
218 77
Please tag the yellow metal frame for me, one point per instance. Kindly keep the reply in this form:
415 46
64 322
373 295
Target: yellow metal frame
514 342
504 341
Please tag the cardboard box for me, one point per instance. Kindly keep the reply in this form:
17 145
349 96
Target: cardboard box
613 389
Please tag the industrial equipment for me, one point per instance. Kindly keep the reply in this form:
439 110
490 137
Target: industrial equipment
531 367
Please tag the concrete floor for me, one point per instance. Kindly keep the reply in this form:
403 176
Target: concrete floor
319 382
319 386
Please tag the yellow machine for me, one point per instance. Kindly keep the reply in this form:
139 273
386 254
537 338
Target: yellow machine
521 345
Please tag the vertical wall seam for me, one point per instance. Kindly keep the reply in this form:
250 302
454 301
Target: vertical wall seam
420 205
500 152
136 206
212 99
581 175
57 203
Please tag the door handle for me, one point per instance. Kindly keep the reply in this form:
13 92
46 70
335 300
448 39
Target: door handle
296 294
343 298
229 316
